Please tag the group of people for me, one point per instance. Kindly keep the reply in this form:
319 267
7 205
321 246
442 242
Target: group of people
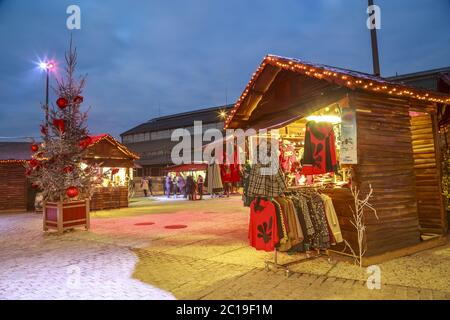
188 188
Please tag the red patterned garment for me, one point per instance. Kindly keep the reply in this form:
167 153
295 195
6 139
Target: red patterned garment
263 227
320 149
230 170
287 158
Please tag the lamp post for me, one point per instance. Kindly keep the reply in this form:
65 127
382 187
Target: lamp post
47 66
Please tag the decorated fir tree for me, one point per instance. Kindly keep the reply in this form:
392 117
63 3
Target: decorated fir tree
57 167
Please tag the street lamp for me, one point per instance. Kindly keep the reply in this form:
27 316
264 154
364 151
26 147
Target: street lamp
47 66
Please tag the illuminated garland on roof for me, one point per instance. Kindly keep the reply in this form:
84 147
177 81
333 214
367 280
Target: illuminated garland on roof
116 143
350 79
12 161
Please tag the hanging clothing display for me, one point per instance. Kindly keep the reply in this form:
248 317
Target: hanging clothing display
263 226
301 222
332 218
266 185
288 159
230 168
245 174
213 178
320 151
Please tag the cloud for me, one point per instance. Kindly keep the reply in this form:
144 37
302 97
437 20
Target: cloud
183 55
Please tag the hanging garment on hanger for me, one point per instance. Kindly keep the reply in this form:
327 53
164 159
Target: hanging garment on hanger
246 198
332 218
320 151
263 228
282 232
306 216
287 157
267 185
294 231
213 180
321 237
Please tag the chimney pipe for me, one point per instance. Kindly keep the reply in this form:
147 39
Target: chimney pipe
375 57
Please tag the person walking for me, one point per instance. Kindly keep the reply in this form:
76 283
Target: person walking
150 185
169 186
144 186
181 185
190 187
175 187
200 186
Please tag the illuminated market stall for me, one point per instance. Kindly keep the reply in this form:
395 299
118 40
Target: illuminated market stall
116 164
341 129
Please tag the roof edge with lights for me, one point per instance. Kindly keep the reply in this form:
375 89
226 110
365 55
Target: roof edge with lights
343 77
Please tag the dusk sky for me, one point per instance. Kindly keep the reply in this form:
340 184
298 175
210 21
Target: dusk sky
184 55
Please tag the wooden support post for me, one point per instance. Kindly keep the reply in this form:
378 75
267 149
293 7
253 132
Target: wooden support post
59 217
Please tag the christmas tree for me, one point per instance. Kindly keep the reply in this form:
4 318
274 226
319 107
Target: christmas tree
57 167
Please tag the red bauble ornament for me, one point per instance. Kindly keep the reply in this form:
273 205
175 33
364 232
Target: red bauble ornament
72 192
60 124
34 147
78 99
34 186
68 169
62 103
114 171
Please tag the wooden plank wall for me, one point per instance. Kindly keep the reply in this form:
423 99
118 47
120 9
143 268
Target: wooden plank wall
13 195
343 203
385 160
427 176
109 198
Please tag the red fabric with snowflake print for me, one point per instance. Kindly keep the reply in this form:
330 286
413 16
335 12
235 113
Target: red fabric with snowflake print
263 228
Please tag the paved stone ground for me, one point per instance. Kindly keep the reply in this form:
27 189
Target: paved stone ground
210 259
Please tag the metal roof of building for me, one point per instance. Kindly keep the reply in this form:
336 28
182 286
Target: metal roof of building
180 120
15 150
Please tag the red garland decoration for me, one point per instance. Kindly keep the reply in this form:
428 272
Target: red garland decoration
68 169
34 163
60 124
72 192
34 147
78 99
62 102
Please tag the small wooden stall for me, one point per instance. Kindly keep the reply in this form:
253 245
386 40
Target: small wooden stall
113 158
395 146
13 184
116 163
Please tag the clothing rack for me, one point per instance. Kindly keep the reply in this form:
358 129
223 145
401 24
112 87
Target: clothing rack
320 253
347 250
308 255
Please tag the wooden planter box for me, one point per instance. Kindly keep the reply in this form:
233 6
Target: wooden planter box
66 215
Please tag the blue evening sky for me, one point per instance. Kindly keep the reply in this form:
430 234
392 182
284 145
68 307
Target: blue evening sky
145 58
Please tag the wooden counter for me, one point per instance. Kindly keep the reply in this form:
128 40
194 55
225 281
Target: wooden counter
109 198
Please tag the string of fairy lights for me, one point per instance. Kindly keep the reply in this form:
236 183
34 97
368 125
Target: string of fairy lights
329 74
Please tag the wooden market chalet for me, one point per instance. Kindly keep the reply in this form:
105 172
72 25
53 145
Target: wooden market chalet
396 148
116 163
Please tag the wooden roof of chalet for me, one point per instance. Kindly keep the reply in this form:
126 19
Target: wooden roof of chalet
272 67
